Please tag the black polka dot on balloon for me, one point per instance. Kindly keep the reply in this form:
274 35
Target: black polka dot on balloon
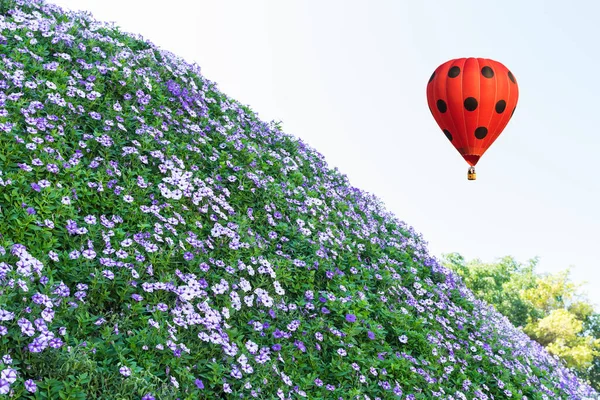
487 72
448 134
432 76
481 132
454 72
511 77
441 106
470 103
500 106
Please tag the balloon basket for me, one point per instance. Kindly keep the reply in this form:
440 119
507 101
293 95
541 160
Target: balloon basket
471 175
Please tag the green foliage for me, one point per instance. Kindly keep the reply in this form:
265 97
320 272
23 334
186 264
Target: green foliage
551 292
500 284
549 307
592 328
560 332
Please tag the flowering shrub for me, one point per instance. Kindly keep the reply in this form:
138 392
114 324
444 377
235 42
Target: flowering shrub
159 241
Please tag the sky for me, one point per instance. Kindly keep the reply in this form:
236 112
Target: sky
349 78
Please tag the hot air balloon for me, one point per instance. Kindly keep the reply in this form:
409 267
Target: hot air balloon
472 100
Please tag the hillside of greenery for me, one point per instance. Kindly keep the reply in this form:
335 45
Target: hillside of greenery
159 241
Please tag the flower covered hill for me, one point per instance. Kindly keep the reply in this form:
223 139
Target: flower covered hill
159 241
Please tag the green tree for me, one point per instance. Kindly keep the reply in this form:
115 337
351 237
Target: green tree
552 291
561 333
592 328
500 284
550 308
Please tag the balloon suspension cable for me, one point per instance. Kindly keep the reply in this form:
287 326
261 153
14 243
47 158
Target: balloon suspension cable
471 174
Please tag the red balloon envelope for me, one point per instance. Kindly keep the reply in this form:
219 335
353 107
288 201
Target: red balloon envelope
472 100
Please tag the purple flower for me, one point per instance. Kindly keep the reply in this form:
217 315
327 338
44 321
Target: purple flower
199 383
300 345
4 386
350 317
30 386
36 346
137 297
9 374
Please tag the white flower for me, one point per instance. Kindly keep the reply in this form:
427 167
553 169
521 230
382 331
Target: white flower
9 374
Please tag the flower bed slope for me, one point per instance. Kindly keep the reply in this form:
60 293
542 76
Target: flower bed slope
158 240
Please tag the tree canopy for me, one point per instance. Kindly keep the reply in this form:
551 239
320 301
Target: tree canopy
550 308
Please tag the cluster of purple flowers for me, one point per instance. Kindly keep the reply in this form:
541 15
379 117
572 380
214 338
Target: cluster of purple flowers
221 256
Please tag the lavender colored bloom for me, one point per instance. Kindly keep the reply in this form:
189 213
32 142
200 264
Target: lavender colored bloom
350 317
30 386
137 297
9 374
4 386
36 346
300 345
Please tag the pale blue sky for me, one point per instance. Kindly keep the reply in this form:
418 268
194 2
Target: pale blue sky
349 78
